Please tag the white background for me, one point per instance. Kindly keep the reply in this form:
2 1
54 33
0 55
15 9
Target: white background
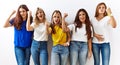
69 6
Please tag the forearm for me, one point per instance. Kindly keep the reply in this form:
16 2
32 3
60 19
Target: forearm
90 45
28 27
64 23
7 23
64 26
48 28
69 38
113 22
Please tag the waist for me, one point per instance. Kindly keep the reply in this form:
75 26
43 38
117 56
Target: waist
39 41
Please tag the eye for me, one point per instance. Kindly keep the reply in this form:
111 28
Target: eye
58 17
99 7
54 16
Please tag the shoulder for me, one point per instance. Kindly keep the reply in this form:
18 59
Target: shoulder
107 17
93 18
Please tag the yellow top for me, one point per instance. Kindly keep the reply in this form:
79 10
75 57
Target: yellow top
59 37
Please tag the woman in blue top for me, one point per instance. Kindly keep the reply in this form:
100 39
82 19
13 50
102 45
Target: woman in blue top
22 37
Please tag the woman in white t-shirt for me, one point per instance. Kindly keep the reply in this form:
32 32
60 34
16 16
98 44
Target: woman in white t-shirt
80 46
39 44
102 23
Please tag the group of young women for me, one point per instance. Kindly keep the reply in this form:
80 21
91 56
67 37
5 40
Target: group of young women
79 40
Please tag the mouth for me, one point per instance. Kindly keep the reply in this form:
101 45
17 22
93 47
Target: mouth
56 22
40 16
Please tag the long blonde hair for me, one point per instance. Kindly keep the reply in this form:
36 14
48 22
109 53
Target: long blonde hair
53 24
36 19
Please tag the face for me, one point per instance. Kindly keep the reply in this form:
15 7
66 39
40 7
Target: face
23 13
40 15
101 9
82 16
56 18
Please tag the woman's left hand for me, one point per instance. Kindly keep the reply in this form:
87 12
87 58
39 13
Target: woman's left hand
89 54
109 12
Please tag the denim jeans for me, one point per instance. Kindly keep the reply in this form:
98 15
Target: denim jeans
78 52
22 55
59 55
39 52
104 48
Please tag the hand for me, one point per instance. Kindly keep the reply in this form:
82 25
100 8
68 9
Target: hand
65 15
89 54
99 37
109 12
66 44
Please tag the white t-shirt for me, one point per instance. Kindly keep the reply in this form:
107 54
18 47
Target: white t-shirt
40 32
79 34
101 27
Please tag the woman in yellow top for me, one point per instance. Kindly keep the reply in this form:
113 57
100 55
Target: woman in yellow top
60 38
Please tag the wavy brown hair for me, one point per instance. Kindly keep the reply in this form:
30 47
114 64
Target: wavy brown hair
78 23
97 8
18 18
53 24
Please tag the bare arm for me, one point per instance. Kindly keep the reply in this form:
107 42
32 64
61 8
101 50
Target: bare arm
64 24
68 39
112 19
29 28
7 23
89 48
48 27
98 36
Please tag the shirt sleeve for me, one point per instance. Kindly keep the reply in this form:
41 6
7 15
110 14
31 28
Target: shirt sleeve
71 26
11 22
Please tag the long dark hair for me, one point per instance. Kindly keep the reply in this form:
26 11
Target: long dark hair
97 8
18 18
78 23
53 24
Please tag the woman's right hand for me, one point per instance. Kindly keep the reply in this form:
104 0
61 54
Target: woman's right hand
109 12
66 44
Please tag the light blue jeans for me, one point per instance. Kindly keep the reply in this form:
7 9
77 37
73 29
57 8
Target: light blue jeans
39 52
104 48
78 52
22 55
59 55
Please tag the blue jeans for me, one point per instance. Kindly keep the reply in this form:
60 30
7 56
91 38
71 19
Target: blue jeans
22 55
78 52
39 52
59 55
104 48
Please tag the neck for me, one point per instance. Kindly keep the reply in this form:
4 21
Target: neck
24 19
100 15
